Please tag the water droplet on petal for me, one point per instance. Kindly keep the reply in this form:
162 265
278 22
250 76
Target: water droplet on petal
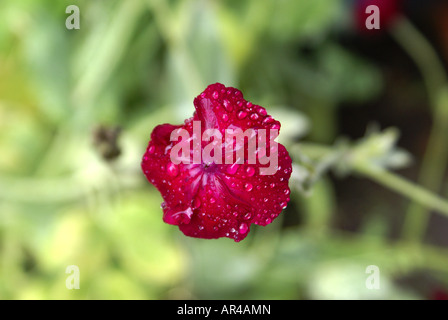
283 205
248 187
250 171
254 116
227 105
225 117
242 115
212 200
268 220
262 111
232 169
172 169
267 120
286 191
272 185
243 228
247 216
215 95
151 149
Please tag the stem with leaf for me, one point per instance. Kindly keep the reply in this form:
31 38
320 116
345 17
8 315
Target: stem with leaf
436 155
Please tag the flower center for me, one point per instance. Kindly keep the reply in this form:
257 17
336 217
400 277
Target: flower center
209 167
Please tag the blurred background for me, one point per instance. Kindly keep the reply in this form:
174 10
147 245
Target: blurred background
77 108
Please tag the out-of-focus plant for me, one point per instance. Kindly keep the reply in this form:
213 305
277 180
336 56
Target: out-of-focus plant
135 64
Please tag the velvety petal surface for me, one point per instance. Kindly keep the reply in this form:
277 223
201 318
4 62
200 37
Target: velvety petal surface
213 200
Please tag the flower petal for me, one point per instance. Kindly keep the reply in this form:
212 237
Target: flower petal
213 200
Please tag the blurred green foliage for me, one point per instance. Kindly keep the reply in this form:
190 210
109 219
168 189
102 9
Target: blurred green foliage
138 63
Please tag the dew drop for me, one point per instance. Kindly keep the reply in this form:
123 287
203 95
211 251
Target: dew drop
212 200
272 185
248 187
268 120
265 200
247 216
275 126
250 171
172 169
232 169
243 228
225 117
215 95
283 205
268 220
286 191
227 105
262 111
242 115
254 116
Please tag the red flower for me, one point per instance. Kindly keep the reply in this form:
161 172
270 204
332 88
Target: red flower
219 195
389 10
439 294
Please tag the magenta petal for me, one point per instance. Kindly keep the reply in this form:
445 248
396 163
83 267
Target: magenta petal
214 199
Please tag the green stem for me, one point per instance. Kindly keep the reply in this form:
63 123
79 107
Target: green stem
408 189
424 56
436 155
420 195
